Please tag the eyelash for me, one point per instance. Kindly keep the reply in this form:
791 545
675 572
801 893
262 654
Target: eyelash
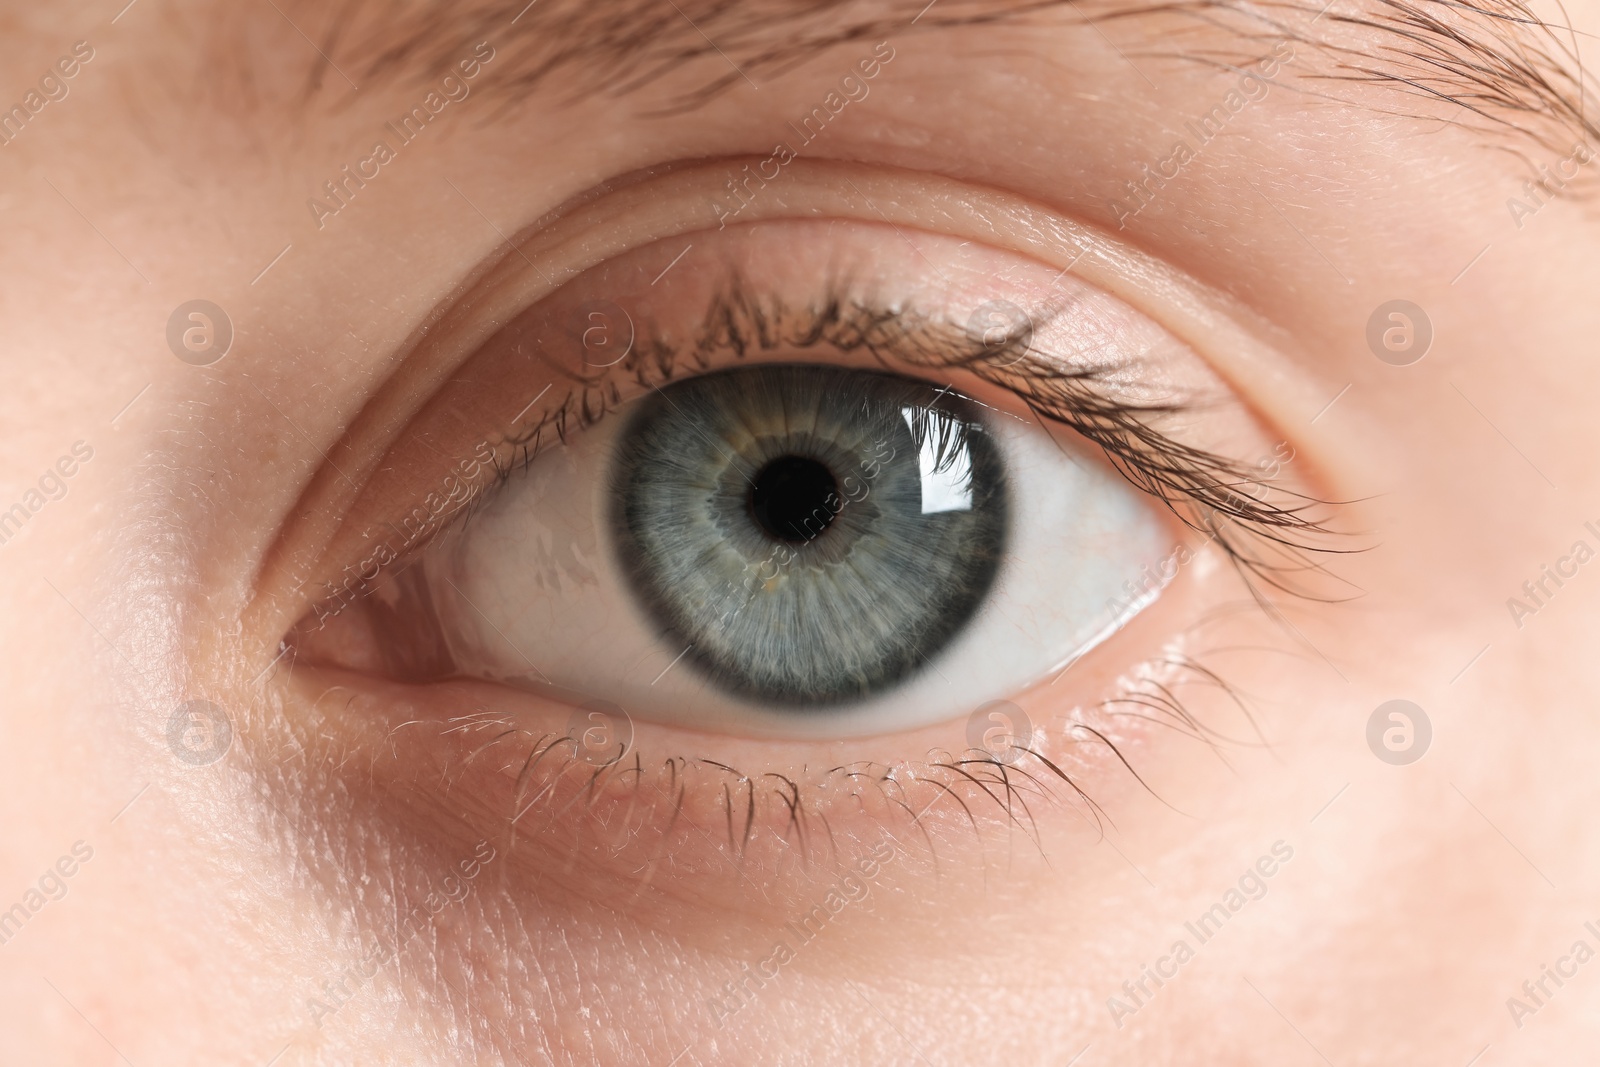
1265 538
746 805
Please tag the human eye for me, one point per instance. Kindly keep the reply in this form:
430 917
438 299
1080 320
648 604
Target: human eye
786 547
819 519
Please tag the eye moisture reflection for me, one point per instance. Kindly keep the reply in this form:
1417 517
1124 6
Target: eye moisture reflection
809 535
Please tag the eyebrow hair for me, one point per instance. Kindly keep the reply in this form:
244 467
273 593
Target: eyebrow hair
1492 63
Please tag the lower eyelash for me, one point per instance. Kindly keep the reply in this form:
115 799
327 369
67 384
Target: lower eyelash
752 808
633 807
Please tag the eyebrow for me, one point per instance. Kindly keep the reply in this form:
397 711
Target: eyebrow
1493 62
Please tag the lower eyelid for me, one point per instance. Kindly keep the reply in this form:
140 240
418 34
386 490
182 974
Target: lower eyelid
669 827
466 746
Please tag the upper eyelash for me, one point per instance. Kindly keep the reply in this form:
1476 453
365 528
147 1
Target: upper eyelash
1266 537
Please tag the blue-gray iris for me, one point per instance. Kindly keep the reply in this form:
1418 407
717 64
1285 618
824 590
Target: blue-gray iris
811 535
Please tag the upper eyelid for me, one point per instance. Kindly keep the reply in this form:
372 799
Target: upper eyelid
612 224
1241 346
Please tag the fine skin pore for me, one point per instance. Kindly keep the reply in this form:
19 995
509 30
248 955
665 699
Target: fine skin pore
347 883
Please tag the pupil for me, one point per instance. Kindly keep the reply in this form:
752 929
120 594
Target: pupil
789 498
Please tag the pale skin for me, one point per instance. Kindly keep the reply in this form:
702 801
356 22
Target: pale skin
1411 911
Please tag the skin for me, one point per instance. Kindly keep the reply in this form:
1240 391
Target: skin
220 897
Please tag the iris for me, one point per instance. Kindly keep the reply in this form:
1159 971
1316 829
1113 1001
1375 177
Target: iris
809 535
